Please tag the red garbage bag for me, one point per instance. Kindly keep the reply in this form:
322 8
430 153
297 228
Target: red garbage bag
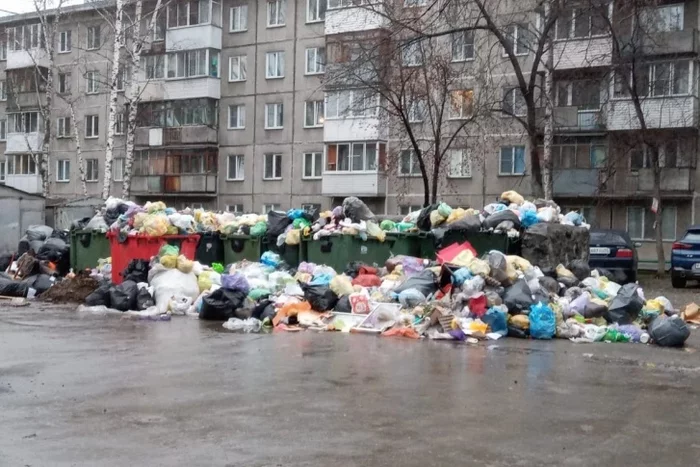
367 280
448 253
478 305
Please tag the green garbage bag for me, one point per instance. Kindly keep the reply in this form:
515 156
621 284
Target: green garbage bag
404 226
444 210
258 230
257 294
218 267
387 225
301 223
168 250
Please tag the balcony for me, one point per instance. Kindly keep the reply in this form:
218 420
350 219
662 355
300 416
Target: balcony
29 183
183 184
354 129
196 134
19 143
586 52
663 43
355 19
659 112
674 181
181 88
571 119
26 100
201 36
366 183
348 74
576 182
17 59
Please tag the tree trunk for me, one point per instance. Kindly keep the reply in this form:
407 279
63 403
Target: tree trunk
78 151
111 117
537 185
658 225
547 182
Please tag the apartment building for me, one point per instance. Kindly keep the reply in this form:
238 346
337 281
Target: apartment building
238 110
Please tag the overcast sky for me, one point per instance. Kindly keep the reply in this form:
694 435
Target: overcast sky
23 6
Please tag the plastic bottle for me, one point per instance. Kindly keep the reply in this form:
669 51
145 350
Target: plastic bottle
614 335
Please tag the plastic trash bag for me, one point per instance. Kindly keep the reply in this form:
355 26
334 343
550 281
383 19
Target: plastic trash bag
295 213
520 321
461 275
155 225
374 231
100 297
473 286
184 265
573 218
595 309
355 209
258 230
258 293
493 220
578 304
387 225
97 223
169 282
580 269
669 331
498 265
424 282
479 267
547 214
246 326
549 284
410 298
343 305
293 237
320 297
123 296
528 218
359 303
235 282
221 304
626 305
179 304
341 285
543 323
136 271
518 297
497 321
423 221
512 197
168 261
466 223
38 232
144 300
270 259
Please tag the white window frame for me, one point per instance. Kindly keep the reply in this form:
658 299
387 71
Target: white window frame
511 95
211 10
371 160
276 18
65 44
92 168
66 83
186 57
119 123
267 207
92 85
412 53
118 166
317 14
92 126
512 173
155 63
63 171
414 3
276 159
240 117
518 29
94 41
3 170
240 63
3 90
317 113
241 13
239 164
274 59
464 167
63 130
664 10
460 47
313 66
278 111
3 129
646 211
352 97
235 209
316 165
417 110
414 165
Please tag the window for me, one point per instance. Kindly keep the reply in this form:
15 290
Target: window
3 90
192 63
410 3
3 171
25 37
514 103
315 60
24 122
518 38
656 79
460 163
412 54
63 83
238 68
461 104
234 208
236 117
235 167
3 56
270 207
352 104
417 111
238 18
670 155
92 126
408 163
122 77
63 170
583 94
93 37
93 85
274 65
181 112
159 30
3 129
315 10
353 157
512 160
118 164
582 22
641 220
665 18
273 167
275 13
154 66
64 42
273 116
311 207
21 164
462 46
344 3
92 173
406 209
191 13
119 123
313 164
63 127
313 114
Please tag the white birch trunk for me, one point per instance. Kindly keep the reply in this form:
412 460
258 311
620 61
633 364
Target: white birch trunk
547 183
111 117
78 151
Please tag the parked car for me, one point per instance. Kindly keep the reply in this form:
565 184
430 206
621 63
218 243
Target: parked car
614 251
685 258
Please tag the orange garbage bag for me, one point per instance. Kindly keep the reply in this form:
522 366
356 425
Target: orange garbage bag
291 309
401 332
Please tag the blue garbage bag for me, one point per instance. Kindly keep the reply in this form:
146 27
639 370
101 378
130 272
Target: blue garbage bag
460 276
235 282
497 321
543 323
528 218
270 259
321 279
295 213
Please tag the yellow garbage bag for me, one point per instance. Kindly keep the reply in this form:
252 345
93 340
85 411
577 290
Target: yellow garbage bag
479 267
521 264
184 265
513 197
154 207
156 225
520 321
436 219
293 237
456 215
169 261
463 259
341 285
373 230
654 305
139 219
563 272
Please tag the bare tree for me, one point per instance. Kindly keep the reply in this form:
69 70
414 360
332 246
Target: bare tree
78 150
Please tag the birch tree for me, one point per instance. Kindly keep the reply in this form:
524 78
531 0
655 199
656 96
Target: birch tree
78 150
113 97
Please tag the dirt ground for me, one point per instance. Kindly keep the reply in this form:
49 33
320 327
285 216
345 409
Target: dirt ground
654 287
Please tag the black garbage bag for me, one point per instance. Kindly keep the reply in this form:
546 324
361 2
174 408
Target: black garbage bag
496 218
352 269
625 306
35 245
549 272
245 229
311 215
594 310
259 308
517 332
518 297
55 250
467 223
568 282
269 312
438 236
111 215
277 223
580 269
99 297
6 260
425 282
423 222
221 304
343 305
80 224
39 282
321 297
136 270
38 232
23 246
123 296
606 273
356 209
10 288
669 331
144 300
549 284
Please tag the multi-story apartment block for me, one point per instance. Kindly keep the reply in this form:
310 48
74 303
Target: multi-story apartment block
240 110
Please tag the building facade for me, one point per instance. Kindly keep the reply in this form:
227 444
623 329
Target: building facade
238 111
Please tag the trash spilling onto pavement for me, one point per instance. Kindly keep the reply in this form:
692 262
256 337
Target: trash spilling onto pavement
515 268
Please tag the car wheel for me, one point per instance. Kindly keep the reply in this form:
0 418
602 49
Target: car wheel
677 282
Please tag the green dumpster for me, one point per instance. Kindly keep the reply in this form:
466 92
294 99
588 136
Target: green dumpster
291 254
240 247
337 251
86 248
409 243
483 242
210 249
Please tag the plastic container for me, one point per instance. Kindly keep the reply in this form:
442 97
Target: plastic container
240 247
145 247
337 251
86 248
408 243
291 254
210 249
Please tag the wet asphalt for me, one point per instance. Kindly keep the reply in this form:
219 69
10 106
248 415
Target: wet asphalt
85 390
